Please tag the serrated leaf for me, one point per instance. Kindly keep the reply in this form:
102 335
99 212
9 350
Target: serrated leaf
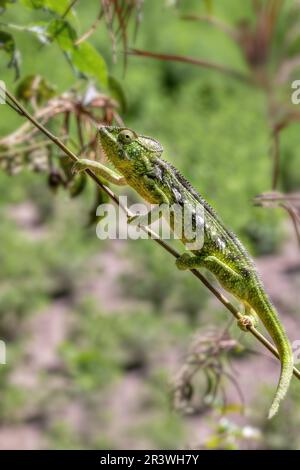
117 92
88 61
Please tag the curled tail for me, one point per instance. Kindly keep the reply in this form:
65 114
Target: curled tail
269 317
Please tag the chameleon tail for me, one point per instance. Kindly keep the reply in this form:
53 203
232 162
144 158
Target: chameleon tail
269 317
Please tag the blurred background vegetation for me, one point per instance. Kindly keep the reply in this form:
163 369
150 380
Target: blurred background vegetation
99 334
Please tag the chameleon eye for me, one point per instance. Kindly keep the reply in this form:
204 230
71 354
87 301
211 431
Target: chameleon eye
126 136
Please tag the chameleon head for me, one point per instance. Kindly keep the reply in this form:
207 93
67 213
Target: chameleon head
123 146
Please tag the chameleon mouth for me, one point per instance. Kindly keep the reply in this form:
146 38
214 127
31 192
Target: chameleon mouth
106 139
106 133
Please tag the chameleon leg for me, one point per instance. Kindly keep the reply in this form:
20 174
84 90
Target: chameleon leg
146 219
188 261
212 263
248 319
99 170
223 274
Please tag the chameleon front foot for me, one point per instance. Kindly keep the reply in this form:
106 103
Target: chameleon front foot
79 166
183 262
133 219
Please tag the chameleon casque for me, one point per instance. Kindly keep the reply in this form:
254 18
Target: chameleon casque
138 160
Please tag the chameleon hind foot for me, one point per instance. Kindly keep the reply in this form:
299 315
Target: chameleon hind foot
183 261
248 320
245 322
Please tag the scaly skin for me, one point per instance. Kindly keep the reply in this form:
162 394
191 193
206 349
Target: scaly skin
138 160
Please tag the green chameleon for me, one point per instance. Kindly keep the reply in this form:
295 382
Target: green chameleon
138 160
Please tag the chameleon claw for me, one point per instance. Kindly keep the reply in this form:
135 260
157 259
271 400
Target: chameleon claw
182 262
245 323
131 218
78 166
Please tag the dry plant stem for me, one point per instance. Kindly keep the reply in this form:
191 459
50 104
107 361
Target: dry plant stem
277 197
295 219
192 60
69 8
284 201
91 30
153 235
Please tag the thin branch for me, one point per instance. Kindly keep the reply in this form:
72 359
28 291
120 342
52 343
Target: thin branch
150 232
285 201
91 30
68 9
294 217
276 197
191 60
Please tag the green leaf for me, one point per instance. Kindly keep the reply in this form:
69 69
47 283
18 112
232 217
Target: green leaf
33 3
55 30
83 57
56 6
62 32
117 92
40 31
88 61
7 44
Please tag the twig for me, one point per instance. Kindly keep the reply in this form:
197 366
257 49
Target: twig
277 197
91 30
68 9
191 60
295 219
286 202
152 234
